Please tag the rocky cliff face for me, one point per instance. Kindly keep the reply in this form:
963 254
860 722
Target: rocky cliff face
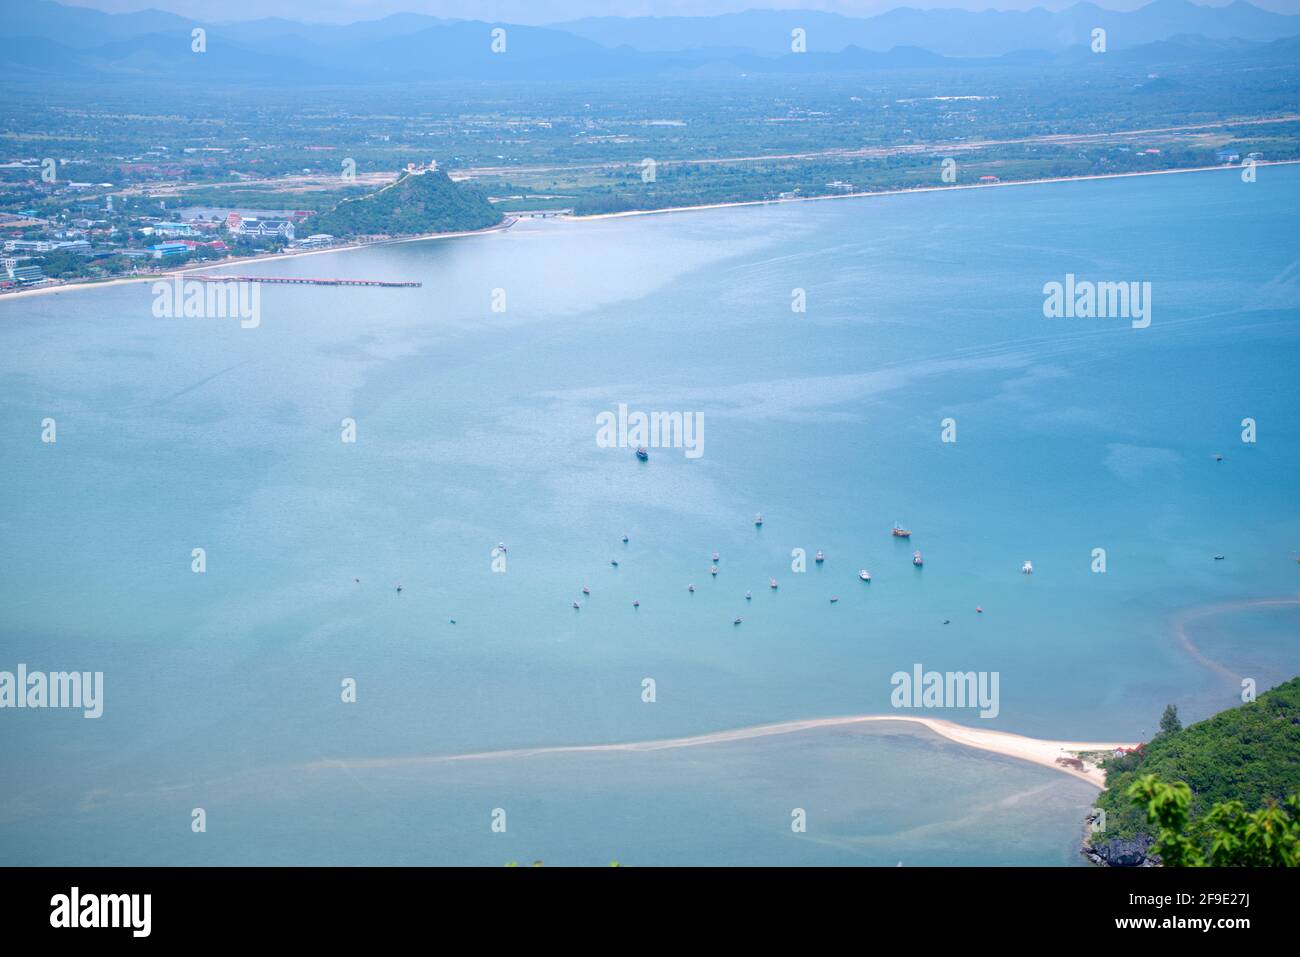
1116 851
1121 852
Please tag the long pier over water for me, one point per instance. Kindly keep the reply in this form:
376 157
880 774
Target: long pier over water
300 281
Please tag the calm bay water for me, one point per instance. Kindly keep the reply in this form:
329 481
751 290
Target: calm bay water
475 427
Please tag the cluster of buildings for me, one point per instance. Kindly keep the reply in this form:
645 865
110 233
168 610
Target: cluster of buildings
102 240
19 266
84 229
16 272
1230 155
253 227
173 248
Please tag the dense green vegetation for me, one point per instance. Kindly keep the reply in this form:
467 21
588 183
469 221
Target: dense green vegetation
1249 754
1227 836
424 202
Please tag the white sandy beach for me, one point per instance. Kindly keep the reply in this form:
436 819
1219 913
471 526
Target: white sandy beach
1034 750
1039 751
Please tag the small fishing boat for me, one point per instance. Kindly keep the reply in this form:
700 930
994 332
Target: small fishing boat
586 590
713 570
1027 568
901 532
979 609
642 453
399 589
749 596
624 539
1218 558
501 547
917 560
576 606
758 520
738 621
690 588
864 575
614 562
819 557
636 604
771 583
716 556
834 599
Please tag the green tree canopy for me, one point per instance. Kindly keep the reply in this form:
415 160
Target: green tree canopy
1169 722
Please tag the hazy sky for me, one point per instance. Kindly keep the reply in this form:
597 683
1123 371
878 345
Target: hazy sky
547 11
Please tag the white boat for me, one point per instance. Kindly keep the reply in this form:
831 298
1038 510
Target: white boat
917 560
713 570
865 575
771 583
758 520
819 557
1027 568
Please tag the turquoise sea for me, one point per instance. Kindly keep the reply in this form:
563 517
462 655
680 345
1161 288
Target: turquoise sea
474 426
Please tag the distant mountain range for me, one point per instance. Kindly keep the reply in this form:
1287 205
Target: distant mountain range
43 38
958 33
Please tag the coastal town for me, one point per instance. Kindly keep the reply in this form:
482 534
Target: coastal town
86 231
79 232
93 241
